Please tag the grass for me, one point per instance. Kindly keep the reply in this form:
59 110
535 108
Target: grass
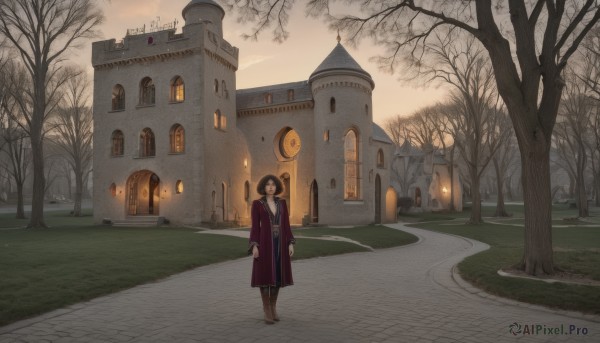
576 249
74 261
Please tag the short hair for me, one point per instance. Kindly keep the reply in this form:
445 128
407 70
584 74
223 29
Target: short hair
260 188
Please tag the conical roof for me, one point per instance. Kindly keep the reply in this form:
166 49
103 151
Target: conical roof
339 61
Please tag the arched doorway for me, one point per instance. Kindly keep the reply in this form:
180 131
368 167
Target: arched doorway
377 199
143 193
391 201
418 197
314 202
285 179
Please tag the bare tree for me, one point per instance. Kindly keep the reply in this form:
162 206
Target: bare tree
529 44
41 32
14 141
475 113
73 128
572 133
503 161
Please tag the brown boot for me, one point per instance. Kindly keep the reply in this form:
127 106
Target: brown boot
264 293
274 294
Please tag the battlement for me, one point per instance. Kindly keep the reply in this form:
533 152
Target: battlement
138 44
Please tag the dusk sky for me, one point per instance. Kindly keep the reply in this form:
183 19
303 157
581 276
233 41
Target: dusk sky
265 62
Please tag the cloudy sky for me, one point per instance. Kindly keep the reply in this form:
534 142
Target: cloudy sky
265 62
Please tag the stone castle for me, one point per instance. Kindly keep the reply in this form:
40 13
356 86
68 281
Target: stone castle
174 138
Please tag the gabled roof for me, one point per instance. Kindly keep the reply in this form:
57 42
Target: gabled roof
339 61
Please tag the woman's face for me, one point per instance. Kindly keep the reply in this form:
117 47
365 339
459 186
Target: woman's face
270 187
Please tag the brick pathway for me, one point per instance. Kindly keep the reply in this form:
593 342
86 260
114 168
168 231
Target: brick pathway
404 294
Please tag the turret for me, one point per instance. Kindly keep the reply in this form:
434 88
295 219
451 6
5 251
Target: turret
204 11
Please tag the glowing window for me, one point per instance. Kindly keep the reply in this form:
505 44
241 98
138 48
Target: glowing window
113 190
179 187
352 176
177 138
177 90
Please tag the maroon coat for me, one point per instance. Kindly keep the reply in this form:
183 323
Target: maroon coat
263 268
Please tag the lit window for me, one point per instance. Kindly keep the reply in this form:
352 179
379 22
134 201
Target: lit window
118 98
326 136
179 187
147 147
380 159
177 90
220 121
177 138
113 190
118 143
147 91
351 181
332 105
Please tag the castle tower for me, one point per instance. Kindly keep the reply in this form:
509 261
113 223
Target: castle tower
343 130
159 97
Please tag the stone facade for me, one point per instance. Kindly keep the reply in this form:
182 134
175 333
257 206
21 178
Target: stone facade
190 147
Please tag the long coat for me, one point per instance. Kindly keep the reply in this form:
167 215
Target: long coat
263 267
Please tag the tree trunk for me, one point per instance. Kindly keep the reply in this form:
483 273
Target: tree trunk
476 199
452 206
78 191
500 209
509 193
537 259
20 202
581 195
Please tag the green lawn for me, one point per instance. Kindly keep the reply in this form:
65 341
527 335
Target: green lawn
576 249
74 261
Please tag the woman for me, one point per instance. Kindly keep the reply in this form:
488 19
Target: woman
271 244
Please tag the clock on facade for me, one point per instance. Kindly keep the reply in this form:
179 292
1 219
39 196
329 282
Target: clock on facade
290 144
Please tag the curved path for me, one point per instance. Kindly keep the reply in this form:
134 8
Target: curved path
403 294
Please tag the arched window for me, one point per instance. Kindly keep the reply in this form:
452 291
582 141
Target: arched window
332 105
147 91
118 98
216 86
224 89
177 139
326 135
367 110
118 143
351 162
332 183
147 147
380 159
177 90
179 187
246 190
220 121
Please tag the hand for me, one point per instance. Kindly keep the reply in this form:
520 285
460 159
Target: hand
255 251
291 250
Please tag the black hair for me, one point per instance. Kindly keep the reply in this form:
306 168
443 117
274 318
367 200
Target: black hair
260 188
